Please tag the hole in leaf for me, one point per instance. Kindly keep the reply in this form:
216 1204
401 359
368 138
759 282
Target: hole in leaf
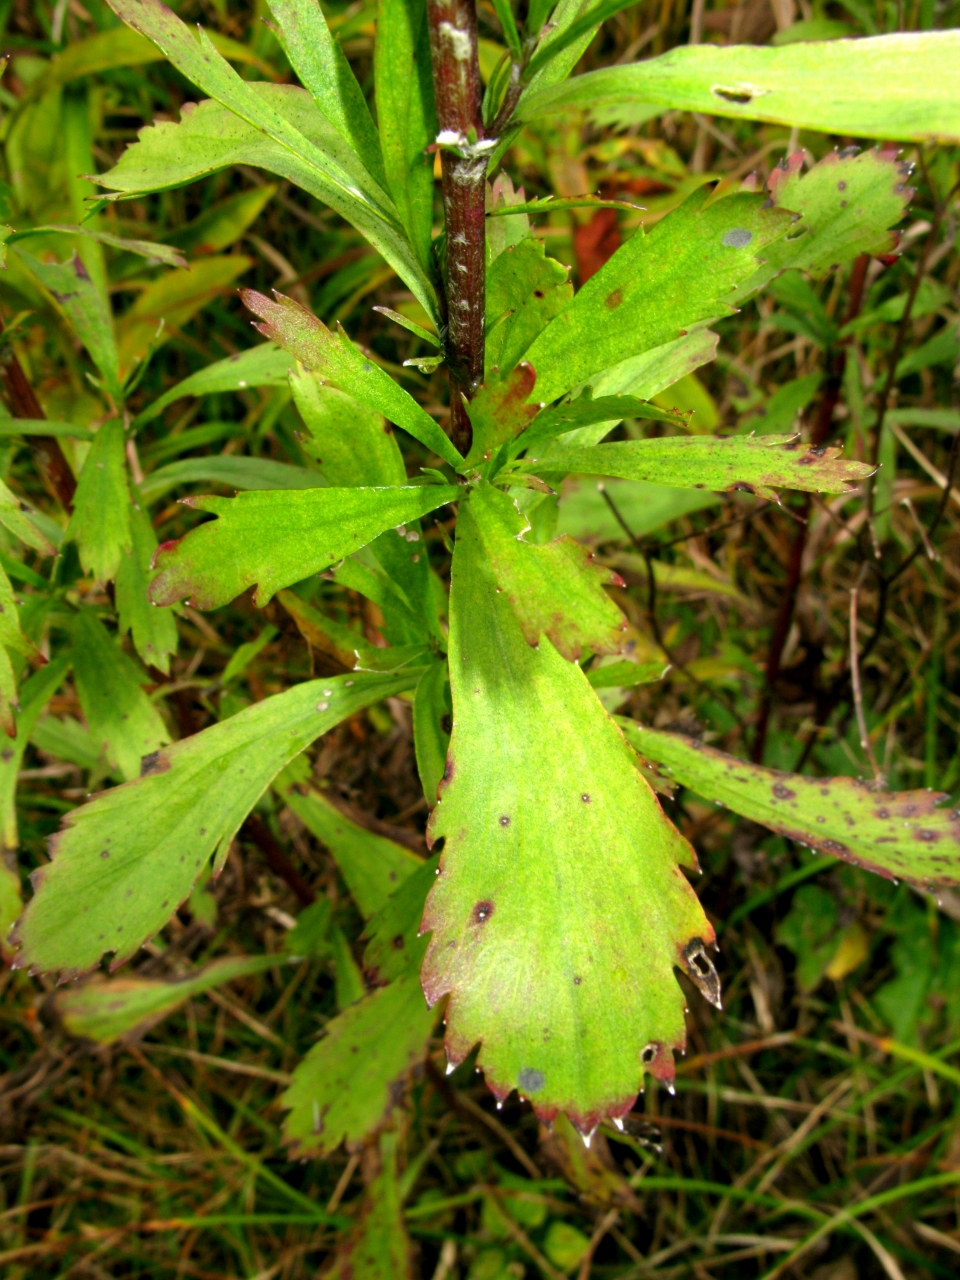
701 969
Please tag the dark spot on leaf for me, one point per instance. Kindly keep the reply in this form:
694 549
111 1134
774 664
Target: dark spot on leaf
531 1080
538 293
150 764
741 486
578 981
105 853
841 186
928 836
614 298
833 846
883 813
398 942
732 95
736 238
782 792
648 1053
585 798
504 820
482 911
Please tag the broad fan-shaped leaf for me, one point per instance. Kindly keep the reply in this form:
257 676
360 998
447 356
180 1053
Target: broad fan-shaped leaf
106 1010
754 464
554 589
847 203
277 538
902 835
346 1085
123 863
894 86
560 911
656 285
336 359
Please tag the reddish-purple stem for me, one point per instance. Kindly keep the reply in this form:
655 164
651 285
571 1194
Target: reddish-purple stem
457 89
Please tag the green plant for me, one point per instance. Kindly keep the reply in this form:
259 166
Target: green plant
561 910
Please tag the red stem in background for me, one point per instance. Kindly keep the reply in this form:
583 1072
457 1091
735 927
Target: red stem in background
457 89
51 461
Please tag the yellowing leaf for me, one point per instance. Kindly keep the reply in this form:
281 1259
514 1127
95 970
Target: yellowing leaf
561 910
106 1010
899 834
757 465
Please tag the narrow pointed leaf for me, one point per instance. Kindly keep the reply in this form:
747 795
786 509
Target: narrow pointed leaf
554 589
35 693
560 911
900 86
234 472
346 1085
166 254
903 835
574 415
431 727
100 523
394 945
345 645
152 629
15 517
325 73
107 1010
754 464
406 115
656 285
123 863
263 366
87 310
330 171
277 538
123 721
350 442
372 866
336 359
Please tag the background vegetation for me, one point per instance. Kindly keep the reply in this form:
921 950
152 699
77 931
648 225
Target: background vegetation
821 1100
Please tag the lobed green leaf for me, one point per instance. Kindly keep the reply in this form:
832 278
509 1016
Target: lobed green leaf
336 359
554 589
276 538
656 285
